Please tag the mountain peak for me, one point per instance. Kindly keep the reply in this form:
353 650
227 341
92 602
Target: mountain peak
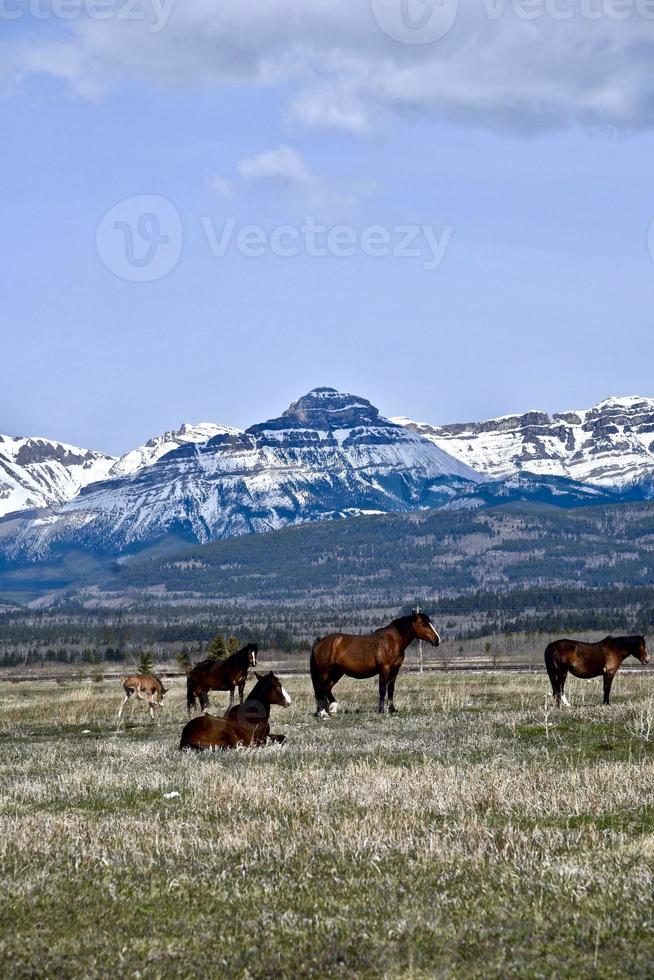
327 408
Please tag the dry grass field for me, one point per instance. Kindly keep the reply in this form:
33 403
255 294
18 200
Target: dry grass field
479 833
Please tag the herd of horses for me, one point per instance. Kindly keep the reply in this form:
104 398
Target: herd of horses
341 654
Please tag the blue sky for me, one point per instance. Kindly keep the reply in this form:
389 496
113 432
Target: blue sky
530 164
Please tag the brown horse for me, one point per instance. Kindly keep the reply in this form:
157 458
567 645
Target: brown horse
220 675
590 660
381 652
244 724
145 687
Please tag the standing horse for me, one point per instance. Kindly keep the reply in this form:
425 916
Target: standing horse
590 660
145 687
244 724
220 675
381 652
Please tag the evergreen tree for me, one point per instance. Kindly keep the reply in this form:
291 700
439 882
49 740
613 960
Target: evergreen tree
232 645
217 648
183 660
145 662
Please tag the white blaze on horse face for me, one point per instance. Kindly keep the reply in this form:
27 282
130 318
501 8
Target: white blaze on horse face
433 629
287 697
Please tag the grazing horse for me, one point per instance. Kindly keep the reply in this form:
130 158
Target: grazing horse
244 724
220 675
144 687
590 660
381 652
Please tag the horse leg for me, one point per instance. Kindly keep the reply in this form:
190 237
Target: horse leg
241 691
151 709
391 691
231 697
124 702
608 680
335 675
383 684
319 679
563 676
204 700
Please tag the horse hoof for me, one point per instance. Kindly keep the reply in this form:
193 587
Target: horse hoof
333 708
321 714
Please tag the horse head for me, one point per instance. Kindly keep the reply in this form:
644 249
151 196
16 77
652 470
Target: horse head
424 629
252 649
273 689
640 652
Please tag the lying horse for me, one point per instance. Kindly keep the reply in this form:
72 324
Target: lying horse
145 687
590 660
381 652
220 675
244 724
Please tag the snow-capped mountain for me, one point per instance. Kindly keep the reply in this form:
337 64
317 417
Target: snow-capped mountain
157 447
38 472
330 454
610 445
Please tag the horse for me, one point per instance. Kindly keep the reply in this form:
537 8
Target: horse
220 675
588 660
145 687
247 723
381 652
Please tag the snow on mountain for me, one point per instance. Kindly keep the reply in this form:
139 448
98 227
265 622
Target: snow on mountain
37 472
328 455
610 445
157 447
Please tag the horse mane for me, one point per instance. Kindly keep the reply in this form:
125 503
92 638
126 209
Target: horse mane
402 624
237 655
632 639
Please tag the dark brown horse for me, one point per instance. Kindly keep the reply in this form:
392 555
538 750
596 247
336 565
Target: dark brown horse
590 660
244 724
381 652
220 675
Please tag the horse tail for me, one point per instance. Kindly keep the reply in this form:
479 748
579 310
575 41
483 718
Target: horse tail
550 663
549 659
190 694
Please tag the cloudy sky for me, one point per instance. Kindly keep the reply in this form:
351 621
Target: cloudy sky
210 207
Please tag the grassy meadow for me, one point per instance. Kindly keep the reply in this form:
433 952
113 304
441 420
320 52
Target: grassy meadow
478 833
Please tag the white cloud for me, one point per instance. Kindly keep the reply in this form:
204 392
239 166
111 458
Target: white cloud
283 164
295 186
508 64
